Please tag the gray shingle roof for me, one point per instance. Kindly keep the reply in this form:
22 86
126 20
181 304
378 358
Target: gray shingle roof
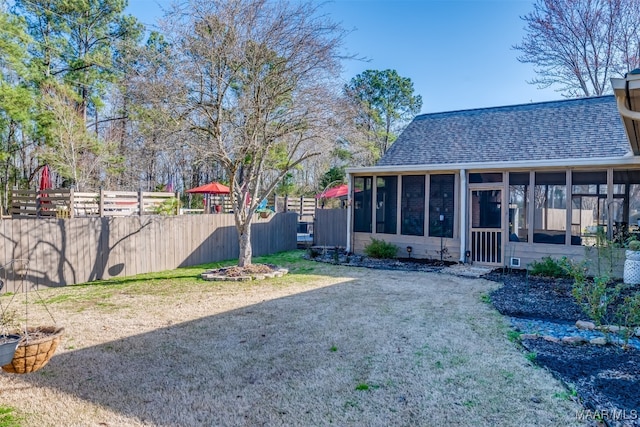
568 129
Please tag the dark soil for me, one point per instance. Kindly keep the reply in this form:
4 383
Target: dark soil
605 378
531 297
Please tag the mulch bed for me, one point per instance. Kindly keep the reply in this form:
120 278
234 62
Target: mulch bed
236 271
606 378
249 272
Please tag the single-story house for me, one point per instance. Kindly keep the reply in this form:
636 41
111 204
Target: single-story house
504 185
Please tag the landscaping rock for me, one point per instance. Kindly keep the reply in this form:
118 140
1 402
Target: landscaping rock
238 274
598 341
610 328
574 340
529 336
587 326
604 375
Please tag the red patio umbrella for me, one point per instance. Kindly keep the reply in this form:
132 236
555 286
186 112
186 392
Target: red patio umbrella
211 188
331 193
45 179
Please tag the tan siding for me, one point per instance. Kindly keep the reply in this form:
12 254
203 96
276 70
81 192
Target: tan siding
422 247
528 253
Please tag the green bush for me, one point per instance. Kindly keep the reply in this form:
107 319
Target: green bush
549 267
170 206
634 245
380 249
628 316
595 297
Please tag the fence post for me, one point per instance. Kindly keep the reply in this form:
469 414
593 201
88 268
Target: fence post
38 204
72 203
178 203
140 202
286 203
301 211
101 202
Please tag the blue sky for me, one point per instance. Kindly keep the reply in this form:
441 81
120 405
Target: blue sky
458 53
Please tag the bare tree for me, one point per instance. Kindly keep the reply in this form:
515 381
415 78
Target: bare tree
580 44
257 94
73 151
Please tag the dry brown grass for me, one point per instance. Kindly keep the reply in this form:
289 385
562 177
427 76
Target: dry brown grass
347 346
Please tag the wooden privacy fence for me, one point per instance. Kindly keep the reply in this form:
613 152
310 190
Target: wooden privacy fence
304 206
330 227
78 250
68 203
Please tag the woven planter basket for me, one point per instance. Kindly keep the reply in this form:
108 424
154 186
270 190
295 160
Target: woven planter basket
33 354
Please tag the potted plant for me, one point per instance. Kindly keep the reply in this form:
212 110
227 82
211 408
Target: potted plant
264 212
8 339
8 345
32 346
632 263
35 348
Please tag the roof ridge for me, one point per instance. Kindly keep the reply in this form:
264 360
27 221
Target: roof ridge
567 129
512 106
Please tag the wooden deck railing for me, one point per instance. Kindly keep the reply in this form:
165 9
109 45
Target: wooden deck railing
67 203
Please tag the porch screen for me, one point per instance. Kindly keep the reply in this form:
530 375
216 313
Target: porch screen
588 205
386 204
441 205
550 208
518 206
412 205
625 208
362 207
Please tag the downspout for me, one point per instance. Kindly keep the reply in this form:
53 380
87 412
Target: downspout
463 215
624 111
349 213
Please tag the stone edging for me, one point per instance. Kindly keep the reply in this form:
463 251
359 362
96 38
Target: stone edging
585 326
216 276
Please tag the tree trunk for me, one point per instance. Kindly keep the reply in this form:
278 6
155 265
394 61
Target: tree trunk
244 238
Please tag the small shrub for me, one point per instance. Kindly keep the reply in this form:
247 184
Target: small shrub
595 297
628 316
576 270
380 249
634 245
548 267
313 252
